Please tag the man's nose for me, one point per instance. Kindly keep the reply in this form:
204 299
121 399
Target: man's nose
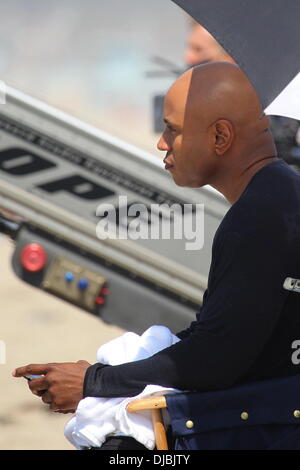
189 58
162 144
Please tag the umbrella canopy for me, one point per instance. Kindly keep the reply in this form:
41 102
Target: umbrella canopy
263 36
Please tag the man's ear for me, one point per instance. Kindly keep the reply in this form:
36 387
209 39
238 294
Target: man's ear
224 135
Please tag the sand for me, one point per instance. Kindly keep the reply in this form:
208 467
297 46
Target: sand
38 328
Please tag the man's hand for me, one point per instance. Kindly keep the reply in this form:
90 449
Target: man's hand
62 384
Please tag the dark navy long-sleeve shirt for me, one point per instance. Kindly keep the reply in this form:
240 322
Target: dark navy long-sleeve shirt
246 326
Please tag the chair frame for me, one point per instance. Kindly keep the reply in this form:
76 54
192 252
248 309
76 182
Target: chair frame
155 405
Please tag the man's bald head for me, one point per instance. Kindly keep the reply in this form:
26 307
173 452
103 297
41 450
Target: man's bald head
218 90
215 123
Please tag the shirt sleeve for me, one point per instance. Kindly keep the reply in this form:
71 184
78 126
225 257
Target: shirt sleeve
241 308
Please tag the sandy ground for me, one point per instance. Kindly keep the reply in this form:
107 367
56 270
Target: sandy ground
38 328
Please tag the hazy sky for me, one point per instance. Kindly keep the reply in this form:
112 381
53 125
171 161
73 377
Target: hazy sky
91 58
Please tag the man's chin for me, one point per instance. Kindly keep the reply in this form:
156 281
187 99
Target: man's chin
186 183
179 181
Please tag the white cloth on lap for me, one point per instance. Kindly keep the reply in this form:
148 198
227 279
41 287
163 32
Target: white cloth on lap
96 418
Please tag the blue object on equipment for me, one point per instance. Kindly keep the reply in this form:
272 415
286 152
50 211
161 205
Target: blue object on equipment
83 283
69 276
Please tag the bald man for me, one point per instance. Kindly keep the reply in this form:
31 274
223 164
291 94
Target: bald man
216 133
196 135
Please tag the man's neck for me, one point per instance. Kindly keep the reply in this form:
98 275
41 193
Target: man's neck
235 185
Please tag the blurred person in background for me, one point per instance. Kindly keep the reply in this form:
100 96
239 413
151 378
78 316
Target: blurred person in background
201 47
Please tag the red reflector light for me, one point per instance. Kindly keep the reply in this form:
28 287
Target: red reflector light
100 300
104 291
33 257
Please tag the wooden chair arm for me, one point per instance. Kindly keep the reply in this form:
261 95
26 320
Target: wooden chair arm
150 403
155 404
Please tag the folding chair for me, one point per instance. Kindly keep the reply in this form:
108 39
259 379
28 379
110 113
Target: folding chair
261 415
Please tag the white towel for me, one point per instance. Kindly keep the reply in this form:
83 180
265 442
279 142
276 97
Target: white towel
96 418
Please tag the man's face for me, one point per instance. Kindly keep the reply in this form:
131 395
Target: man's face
201 47
186 141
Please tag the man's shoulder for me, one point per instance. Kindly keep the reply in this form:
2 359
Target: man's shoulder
277 169
275 188
273 193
